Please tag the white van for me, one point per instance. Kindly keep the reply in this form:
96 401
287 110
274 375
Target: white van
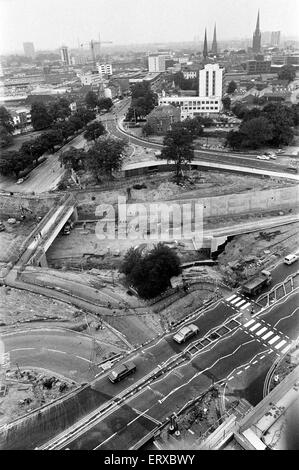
290 259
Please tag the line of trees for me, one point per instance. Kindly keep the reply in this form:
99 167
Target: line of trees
6 127
272 126
63 127
104 157
92 101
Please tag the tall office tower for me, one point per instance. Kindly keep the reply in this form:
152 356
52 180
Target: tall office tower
205 46
256 41
214 44
275 38
29 49
211 81
156 63
65 56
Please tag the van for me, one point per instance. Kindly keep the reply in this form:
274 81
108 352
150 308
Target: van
290 259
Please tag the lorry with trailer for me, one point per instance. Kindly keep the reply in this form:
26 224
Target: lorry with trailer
255 285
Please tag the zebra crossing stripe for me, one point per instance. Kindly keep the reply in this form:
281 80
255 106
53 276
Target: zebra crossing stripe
231 297
240 303
245 306
261 331
249 323
235 300
278 346
254 327
270 333
273 340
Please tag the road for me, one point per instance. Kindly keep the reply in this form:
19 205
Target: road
59 351
45 176
236 351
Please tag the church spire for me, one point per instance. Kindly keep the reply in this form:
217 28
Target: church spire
214 44
205 46
257 29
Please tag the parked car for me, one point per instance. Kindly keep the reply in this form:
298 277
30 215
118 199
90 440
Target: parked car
20 181
121 371
185 333
290 259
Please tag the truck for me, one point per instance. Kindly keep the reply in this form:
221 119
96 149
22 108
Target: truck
255 285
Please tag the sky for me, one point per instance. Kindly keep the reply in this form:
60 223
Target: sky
51 23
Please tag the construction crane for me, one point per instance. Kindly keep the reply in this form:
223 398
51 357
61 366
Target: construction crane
92 45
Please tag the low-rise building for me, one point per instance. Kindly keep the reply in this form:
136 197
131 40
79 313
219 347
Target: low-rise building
162 117
192 106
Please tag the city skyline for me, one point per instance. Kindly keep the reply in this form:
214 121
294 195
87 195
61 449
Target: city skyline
137 22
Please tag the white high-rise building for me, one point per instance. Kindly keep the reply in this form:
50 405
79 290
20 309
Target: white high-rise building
29 50
105 69
65 56
211 81
156 63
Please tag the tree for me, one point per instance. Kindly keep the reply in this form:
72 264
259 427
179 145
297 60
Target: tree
94 131
232 86
6 120
234 140
50 139
147 129
33 149
72 158
76 122
13 162
282 119
150 274
105 103
91 100
239 110
256 133
194 126
105 157
85 115
143 99
226 101
251 114
5 137
40 118
177 147
287 72
59 109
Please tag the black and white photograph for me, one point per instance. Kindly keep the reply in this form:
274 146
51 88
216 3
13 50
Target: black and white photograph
149 170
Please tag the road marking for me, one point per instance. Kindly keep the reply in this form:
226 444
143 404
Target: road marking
262 357
267 335
231 378
245 306
108 439
254 327
278 346
231 297
235 300
137 417
191 432
247 367
55 350
240 372
254 362
261 331
273 340
240 303
286 349
249 323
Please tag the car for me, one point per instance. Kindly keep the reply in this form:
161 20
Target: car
185 333
122 371
20 181
290 259
262 157
273 156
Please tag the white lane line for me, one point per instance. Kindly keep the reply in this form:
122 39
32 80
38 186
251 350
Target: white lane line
240 372
254 327
286 349
21 349
267 335
137 417
247 367
254 362
55 350
231 297
262 357
83 358
231 378
235 300
191 432
273 340
240 303
245 306
105 441
249 322
261 331
279 345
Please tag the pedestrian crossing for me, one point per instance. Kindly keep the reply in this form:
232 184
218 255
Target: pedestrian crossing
238 302
268 335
